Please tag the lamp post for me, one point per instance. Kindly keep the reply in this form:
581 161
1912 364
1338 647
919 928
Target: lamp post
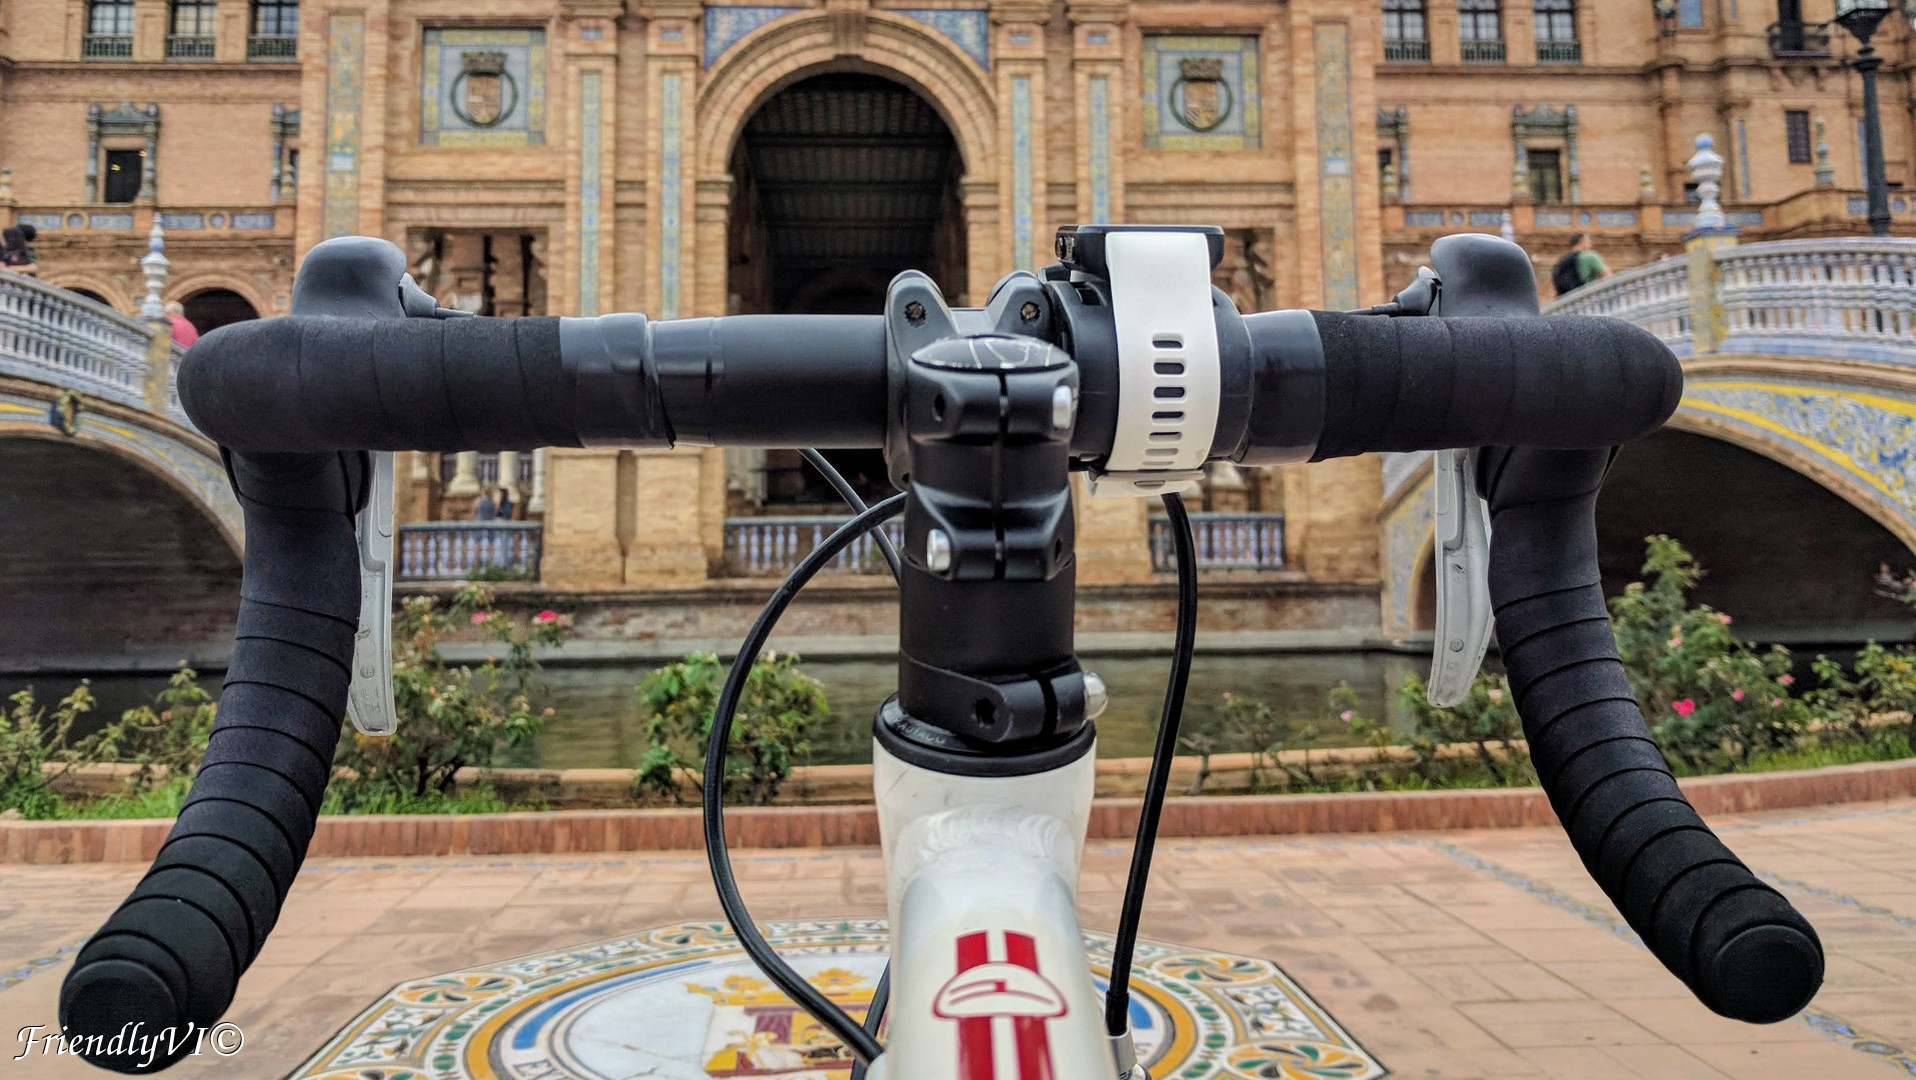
1861 18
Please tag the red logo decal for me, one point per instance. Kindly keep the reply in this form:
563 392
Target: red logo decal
1013 988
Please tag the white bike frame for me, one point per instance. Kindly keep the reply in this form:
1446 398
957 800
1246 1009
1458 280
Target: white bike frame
990 980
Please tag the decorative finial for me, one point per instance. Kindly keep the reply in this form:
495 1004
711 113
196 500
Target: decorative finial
155 266
1706 168
1646 187
1508 228
1388 181
1825 172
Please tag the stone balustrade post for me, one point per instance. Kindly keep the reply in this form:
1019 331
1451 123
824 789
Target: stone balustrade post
536 503
1712 234
465 476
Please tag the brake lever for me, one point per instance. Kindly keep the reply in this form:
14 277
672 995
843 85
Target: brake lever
369 698
1462 553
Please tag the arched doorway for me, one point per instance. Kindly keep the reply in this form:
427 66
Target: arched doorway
1790 559
841 181
210 309
90 295
105 558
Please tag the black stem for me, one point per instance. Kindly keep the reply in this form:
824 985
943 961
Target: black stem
862 1044
1117 999
874 1016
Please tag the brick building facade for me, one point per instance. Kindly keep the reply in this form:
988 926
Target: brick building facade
589 156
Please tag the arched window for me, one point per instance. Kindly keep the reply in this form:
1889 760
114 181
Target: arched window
189 33
1480 33
1556 22
1406 32
109 29
275 34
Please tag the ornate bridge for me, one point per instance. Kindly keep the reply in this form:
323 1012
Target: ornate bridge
1801 353
116 518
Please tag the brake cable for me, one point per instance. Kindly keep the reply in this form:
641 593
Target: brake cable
862 1044
1117 998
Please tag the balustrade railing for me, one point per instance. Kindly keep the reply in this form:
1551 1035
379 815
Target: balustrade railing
61 337
272 47
190 46
1406 51
106 46
1854 298
471 550
1224 542
772 546
1655 296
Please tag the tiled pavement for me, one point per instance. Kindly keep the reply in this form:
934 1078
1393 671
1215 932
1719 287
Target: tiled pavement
1483 954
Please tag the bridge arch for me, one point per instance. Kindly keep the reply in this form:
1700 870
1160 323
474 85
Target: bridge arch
111 558
100 288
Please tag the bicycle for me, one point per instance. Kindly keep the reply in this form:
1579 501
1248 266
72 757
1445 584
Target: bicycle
1121 361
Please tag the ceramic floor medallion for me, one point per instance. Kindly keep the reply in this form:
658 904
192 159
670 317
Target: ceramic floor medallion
684 1003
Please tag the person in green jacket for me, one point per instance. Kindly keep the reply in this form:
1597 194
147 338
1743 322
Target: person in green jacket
1578 268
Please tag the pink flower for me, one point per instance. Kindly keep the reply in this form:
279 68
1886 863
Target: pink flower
547 711
1786 680
1495 695
546 616
1345 715
1684 707
1775 701
1736 694
478 618
1676 642
1722 618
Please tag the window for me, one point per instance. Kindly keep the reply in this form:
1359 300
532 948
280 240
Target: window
122 175
1796 135
110 18
1406 33
109 29
1556 20
1546 175
275 33
1689 14
1480 31
189 35
276 18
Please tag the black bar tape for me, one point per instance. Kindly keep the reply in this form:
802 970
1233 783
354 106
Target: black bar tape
173 953
1426 383
316 383
1736 942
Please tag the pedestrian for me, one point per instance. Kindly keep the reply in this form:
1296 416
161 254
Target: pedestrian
1581 266
184 332
486 509
15 255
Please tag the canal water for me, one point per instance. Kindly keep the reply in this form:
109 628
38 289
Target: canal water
597 723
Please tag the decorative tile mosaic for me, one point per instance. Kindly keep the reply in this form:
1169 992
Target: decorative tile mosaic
178 222
684 1003
43 222
591 188
1201 93
109 221
968 28
1553 219
483 87
1098 93
1616 218
1869 437
671 191
1022 210
1432 219
264 220
345 87
1336 184
1742 158
724 26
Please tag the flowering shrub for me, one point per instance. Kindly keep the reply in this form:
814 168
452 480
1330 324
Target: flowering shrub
1712 701
449 717
1486 716
30 740
780 706
169 735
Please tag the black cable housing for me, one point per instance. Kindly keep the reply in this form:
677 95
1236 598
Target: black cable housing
862 1044
850 494
1117 998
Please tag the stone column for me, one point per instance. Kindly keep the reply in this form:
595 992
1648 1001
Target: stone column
668 541
1330 519
509 474
536 504
1024 243
465 478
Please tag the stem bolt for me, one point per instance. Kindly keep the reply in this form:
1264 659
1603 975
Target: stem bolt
1096 697
1062 407
1029 312
938 551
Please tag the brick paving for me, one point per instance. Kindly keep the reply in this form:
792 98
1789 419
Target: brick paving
1484 954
